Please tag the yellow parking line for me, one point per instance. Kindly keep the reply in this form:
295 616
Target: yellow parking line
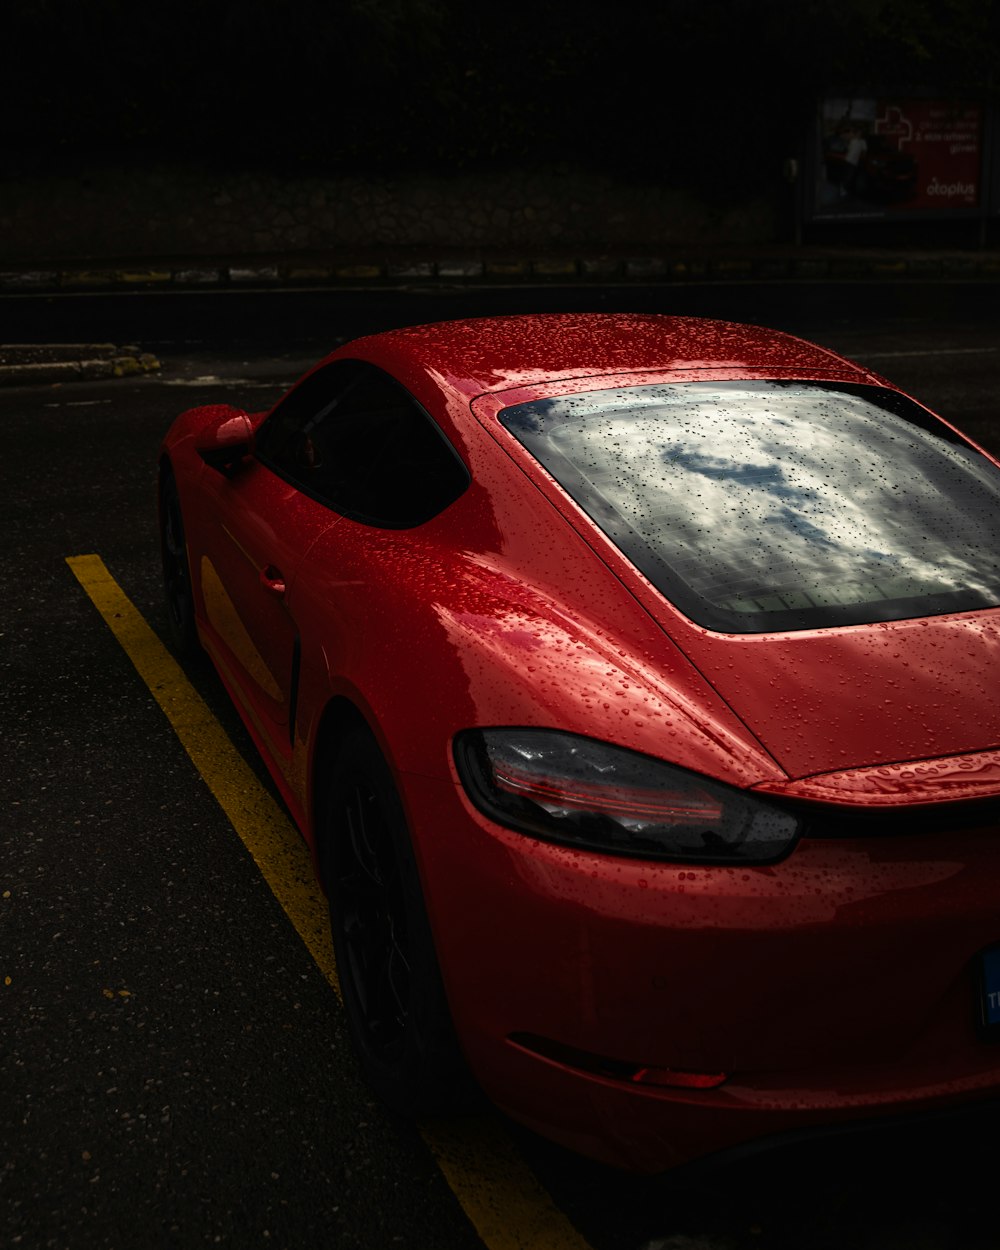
279 852
499 1193
508 1207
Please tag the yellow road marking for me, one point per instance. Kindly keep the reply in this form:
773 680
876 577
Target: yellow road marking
279 852
502 1198
499 1193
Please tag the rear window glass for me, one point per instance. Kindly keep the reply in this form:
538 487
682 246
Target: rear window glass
759 506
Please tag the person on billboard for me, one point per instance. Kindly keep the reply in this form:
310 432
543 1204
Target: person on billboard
855 151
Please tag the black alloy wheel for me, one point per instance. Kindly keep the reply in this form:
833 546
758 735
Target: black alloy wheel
176 573
375 922
393 995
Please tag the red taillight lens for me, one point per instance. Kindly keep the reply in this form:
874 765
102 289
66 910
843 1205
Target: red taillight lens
629 802
617 1069
585 793
672 1078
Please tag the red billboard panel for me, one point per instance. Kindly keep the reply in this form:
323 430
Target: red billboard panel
889 157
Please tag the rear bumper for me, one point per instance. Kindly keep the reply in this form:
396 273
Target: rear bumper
837 986
653 1131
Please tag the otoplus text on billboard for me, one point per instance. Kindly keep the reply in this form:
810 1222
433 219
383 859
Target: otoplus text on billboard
895 157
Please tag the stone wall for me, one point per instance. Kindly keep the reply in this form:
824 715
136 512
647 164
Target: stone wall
159 211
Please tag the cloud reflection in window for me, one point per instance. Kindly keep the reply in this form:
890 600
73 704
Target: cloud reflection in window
754 500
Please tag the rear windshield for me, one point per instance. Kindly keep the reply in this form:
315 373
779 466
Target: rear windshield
759 506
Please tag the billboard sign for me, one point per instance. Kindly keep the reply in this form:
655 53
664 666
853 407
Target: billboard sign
883 156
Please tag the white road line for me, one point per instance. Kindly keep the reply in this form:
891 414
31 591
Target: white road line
941 351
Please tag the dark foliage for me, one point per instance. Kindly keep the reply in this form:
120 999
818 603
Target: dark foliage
685 92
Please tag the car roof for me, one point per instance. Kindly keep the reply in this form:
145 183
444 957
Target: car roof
483 354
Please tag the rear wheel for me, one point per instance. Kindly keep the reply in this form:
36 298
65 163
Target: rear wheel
176 573
394 999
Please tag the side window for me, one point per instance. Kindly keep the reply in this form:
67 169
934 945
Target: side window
354 439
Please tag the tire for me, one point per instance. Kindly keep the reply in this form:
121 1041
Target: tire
394 999
176 573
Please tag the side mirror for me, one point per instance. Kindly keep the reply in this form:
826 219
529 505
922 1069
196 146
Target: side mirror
225 439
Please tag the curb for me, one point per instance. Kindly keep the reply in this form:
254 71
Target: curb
34 364
595 268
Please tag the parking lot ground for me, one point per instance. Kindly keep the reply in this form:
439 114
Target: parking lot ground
497 1191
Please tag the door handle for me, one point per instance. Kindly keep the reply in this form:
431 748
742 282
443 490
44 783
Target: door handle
273 581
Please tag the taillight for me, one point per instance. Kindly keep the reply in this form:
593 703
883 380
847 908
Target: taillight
581 792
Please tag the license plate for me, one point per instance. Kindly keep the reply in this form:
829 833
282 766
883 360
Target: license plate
989 993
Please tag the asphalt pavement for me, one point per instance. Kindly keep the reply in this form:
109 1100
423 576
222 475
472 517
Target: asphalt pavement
47 308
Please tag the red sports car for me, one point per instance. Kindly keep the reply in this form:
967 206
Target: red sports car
634 682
